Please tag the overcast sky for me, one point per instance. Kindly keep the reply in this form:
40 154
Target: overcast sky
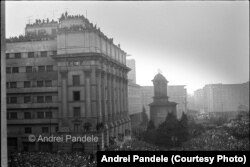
192 43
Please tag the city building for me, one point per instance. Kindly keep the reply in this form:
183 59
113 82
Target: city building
226 97
132 73
134 95
65 77
198 100
134 104
221 99
176 93
161 106
4 158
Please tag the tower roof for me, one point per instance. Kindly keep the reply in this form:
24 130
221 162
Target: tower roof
159 77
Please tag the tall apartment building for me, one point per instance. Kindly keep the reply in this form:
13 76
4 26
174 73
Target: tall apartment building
198 100
226 97
132 73
65 77
176 93
134 95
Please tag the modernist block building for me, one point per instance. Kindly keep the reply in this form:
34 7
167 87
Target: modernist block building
65 77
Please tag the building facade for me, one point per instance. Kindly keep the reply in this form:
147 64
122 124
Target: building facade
132 73
222 98
226 97
134 104
134 95
4 158
63 78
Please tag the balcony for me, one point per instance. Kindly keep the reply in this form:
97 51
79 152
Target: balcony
33 121
32 105
32 90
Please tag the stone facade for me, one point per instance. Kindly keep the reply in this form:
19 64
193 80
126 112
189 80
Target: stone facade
69 79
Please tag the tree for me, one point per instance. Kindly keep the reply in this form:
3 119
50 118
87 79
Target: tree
151 125
167 132
183 129
144 122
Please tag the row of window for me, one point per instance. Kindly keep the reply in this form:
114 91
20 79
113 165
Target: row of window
27 99
27 115
29 55
27 84
41 99
30 69
44 129
42 115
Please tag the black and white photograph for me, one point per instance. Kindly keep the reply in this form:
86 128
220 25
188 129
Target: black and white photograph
83 77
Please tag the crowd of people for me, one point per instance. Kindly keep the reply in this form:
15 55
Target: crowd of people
233 136
46 159
26 38
43 21
229 137
134 145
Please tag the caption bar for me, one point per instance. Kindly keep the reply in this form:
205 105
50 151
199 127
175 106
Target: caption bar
177 158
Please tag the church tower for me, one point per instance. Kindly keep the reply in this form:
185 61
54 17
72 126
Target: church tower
160 107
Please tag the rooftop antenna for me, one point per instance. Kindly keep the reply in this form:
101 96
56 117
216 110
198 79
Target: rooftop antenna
29 18
53 13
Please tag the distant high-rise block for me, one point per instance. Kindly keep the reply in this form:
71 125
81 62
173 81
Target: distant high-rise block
132 73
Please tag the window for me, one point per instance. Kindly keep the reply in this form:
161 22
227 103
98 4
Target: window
44 54
48 99
48 114
76 111
57 128
7 85
31 54
45 130
17 55
28 68
40 115
39 83
76 80
41 68
76 127
48 83
27 115
27 130
13 115
49 67
27 99
27 84
76 95
13 100
40 99
7 55
15 69
13 85
8 70
53 32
